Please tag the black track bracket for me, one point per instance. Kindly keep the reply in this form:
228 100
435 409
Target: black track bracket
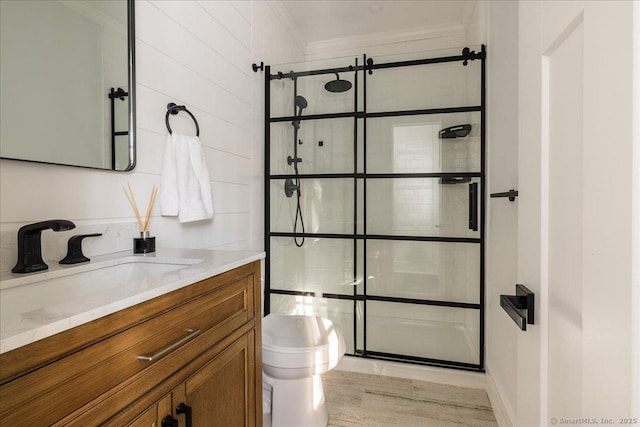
256 67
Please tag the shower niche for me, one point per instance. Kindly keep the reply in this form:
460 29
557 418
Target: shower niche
374 202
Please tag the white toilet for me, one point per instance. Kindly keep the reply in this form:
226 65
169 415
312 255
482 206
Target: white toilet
296 350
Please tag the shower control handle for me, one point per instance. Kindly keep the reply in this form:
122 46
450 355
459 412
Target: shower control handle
291 160
290 187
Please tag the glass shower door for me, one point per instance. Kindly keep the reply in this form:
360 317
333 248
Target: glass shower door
388 180
423 176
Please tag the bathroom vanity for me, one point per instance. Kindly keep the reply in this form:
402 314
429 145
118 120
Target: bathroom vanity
182 348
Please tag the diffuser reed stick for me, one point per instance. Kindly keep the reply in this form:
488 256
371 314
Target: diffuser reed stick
142 225
152 199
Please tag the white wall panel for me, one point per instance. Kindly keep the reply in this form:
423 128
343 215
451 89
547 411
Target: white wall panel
152 145
243 7
225 167
193 16
215 132
170 37
230 18
171 77
222 229
34 192
231 198
194 53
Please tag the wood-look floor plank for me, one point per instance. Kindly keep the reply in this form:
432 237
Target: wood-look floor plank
355 399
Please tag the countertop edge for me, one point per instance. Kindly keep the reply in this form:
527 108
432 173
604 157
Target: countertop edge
212 263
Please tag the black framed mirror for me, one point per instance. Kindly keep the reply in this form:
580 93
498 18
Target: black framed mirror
68 83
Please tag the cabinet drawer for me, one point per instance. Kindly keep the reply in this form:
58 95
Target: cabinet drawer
113 363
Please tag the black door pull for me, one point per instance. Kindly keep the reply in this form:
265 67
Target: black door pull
169 421
186 410
473 206
520 307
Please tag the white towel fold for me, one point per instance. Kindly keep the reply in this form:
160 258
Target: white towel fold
185 189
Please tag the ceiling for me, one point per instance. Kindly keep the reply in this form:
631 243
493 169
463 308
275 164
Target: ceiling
324 20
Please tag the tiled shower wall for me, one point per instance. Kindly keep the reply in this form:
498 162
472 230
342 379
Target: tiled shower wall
197 53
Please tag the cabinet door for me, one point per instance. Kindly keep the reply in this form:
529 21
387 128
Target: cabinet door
222 392
154 415
148 418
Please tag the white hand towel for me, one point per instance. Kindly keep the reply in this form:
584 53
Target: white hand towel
185 189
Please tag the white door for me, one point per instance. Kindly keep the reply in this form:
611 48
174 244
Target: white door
574 210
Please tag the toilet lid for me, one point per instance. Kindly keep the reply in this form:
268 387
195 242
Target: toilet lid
298 332
299 339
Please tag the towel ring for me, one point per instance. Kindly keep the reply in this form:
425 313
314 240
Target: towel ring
175 109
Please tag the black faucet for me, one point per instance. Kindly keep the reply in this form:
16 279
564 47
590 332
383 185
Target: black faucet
29 244
74 249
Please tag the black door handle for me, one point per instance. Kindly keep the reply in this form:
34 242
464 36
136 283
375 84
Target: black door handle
169 421
186 410
511 194
473 206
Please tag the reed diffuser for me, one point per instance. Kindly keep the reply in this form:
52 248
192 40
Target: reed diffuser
145 243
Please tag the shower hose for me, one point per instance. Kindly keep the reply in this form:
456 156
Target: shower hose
298 210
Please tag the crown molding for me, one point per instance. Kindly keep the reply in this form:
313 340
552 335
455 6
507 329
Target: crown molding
389 37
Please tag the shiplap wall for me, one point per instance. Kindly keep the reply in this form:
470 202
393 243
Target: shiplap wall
196 53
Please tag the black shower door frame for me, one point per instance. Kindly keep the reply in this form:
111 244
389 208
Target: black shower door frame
368 68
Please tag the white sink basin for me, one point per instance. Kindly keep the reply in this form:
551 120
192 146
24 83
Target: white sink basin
68 288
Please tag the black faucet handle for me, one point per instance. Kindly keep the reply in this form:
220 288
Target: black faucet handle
74 249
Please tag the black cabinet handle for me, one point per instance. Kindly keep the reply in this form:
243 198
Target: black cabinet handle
473 206
186 410
169 421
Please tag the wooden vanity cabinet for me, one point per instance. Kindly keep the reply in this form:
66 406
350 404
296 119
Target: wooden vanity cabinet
212 367
153 416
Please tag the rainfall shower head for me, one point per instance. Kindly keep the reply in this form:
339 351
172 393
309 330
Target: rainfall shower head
337 85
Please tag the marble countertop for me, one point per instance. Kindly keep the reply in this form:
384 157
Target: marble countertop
38 305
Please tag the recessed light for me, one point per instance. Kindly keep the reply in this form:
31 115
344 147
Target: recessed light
375 7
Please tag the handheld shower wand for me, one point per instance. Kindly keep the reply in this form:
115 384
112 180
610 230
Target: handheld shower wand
291 186
301 104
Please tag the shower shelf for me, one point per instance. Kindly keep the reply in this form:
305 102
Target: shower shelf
455 179
454 132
